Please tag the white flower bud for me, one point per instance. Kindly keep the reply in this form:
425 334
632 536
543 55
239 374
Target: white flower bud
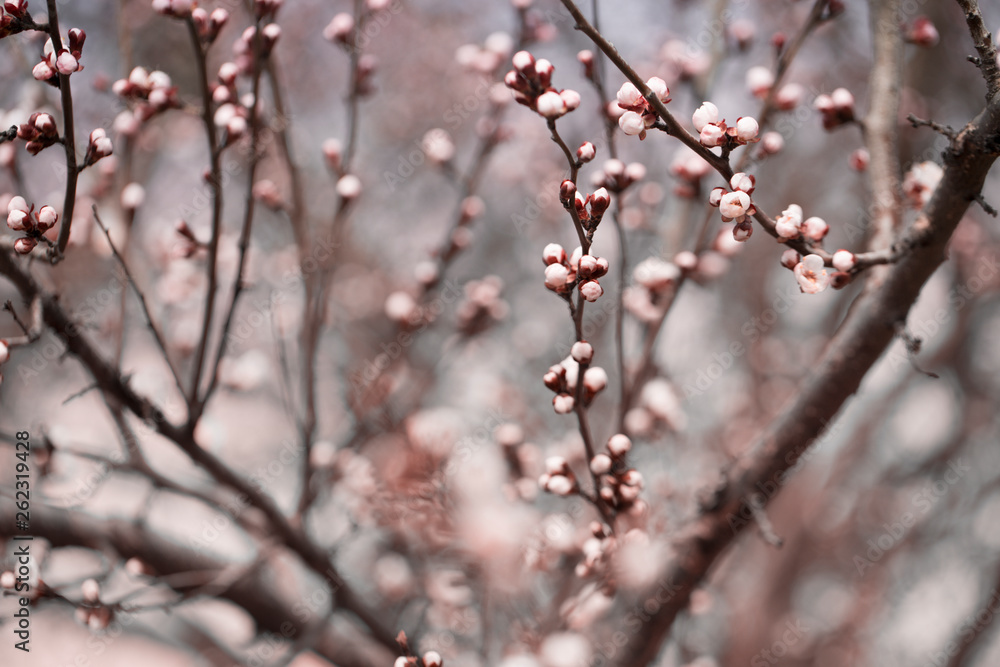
619 445
556 276
349 186
550 105
600 464
629 96
659 88
705 114
563 404
595 379
843 260
632 123
582 352
553 254
746 128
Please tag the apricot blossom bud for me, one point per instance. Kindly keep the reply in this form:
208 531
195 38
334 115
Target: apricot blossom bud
582 352
843 260
619 445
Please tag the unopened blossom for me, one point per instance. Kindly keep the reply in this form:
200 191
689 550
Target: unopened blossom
922 32
595 379
859 159
133 196
772 142
632 123
815 228
562 404
600 464
557 277
340 29
790 258
843 260
811 274
431 658
920 182
438 146
742 231
553 253
743 31
788 224
349 186
551 105
712 135
789 96
582 352
746 129
705 114
655 274
401 307
47 218
91 591
591 290
619 445
759 81
639 115
836 108
734 205
742 182
586 152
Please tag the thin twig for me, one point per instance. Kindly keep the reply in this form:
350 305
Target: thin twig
983 41
142 302
72 173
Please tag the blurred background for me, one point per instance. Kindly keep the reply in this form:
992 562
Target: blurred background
435 328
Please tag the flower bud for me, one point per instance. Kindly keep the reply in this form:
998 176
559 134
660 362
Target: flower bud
349 187
567 192
743 182
595 379
843 260
563 404
550 105
586 152
759 81
556 277
91 591
600 464
632 123
4 356
47 218
619 445
591 290
746 128
553 253
790 258
659 88
705 114
711 136
432 659
582 352
25 245
570 98
742 231
815 228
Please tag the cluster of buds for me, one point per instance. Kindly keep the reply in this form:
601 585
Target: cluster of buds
837 108
562 378
232 117
177 8
482 305
620 485
531 81
91 612
688 168
40 132
150 92
920 182
64 61
98 147
597 550
22 218
209 24
562 272
790 225
15 18
244 48
811 274
655 280
713 131
639 115
590 209
485 59
615 176
558 478
735 206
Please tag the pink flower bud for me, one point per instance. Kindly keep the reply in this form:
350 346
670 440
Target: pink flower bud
629 96
842 99
789 96
550 105
746 128
556 276
632 123
711 136
635 171
570 98
524 63
349 186
45 123
619 445
432 659
824 103
582 352
595 379
790 258
772 142
4 356
922 32
66 63
600 464
91 590
759 81
587 266
340 28
563 404
734 205
19 221
24 245
686 260
742 231
659 88
586 152
705 114
859 159
17 204
553 254
715 196
591 290
815 228
133 196
843 260
743 182
42 71
228 73
47 218
560 484
332 151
